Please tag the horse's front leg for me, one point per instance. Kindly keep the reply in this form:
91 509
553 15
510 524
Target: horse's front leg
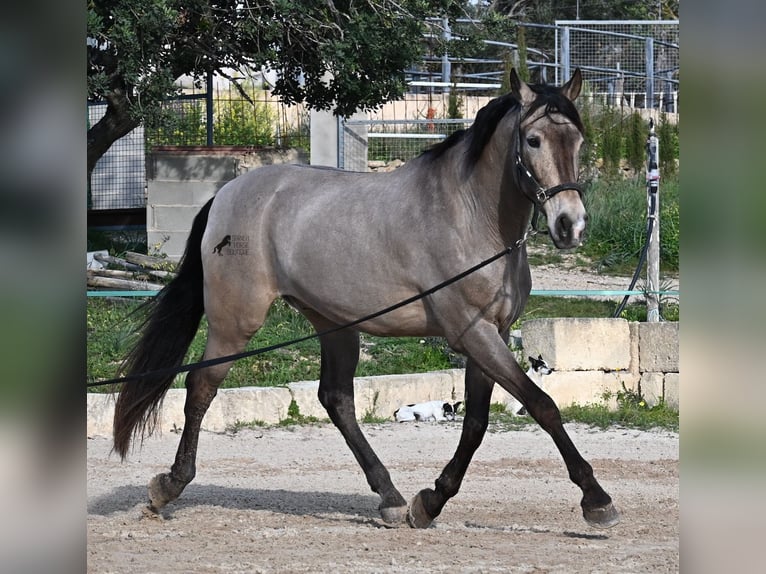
482 343
428 503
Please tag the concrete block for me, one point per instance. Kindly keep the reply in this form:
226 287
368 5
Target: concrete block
247 404
658 346
672 390
304 393
162 192
100 412
251 160
171 217
382 395
635 356
652 387
586 387
458 384
180 166
171 243
575 344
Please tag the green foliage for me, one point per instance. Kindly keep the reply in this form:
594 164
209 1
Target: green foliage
610 128
239 122
632 411
454 105
111 330
635 142
344 56
610 137
667 134
294 416
617 224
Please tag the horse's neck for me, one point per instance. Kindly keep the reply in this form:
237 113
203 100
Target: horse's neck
495 189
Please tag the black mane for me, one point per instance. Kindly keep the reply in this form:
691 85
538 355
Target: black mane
483 128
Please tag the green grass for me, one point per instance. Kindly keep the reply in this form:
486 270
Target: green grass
112 325
632 412
617 223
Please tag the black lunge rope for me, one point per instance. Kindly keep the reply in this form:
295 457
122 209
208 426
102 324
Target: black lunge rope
262 350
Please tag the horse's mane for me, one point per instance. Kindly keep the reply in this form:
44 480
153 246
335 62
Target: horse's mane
488 117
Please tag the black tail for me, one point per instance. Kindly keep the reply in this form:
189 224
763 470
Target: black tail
171 321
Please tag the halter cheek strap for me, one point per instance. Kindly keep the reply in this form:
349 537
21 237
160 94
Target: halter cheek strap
536 192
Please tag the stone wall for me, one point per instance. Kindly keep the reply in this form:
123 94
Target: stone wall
590 356
181 180
594 356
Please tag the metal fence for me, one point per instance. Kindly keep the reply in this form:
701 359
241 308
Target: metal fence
119 178
633 63
371 145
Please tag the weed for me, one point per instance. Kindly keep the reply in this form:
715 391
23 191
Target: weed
294 417
242 425
632 411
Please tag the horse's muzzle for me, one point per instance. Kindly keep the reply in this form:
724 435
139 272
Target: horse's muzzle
567 230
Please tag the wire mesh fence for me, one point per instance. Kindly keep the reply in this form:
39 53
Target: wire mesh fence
250 117
386 144
119 179
633 63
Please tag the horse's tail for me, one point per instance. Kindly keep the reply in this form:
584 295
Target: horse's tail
170 324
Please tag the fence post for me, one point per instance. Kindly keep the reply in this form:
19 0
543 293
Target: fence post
653 207
209 108
446 64
564 55
649 64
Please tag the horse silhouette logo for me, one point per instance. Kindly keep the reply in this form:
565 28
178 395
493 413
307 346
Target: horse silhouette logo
224 242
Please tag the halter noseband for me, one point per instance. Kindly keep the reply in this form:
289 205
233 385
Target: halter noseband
536 192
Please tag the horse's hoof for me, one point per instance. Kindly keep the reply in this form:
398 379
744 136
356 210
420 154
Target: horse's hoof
603 517
158 494
417 516
394 515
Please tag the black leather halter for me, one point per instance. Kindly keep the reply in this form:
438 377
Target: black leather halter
536 192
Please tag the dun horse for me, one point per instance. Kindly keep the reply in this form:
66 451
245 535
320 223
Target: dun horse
338 245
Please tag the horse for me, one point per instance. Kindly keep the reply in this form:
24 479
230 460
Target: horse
337 245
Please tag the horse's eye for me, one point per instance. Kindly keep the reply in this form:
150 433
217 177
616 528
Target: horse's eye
533 141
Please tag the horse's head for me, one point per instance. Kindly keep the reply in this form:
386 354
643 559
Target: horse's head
548 148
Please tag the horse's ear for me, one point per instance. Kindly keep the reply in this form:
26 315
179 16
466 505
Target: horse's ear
520 90
572 88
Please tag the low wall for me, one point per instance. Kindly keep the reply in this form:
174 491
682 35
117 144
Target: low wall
181 180
593 356
590 357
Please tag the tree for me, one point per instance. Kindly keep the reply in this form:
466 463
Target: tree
329 54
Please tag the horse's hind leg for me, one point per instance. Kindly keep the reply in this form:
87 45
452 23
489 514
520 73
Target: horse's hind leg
428 503
340 355
201 387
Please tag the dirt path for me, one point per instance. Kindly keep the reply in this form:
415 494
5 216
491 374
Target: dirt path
293 499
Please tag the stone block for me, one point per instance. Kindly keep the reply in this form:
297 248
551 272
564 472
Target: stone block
170 243
247 404
171 217
180 166
652 388
304 393
197 193
380 396
567 388
576 344
658 347
672 390
100 412
635 356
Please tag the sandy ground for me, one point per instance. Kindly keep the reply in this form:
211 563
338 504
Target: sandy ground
294 500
